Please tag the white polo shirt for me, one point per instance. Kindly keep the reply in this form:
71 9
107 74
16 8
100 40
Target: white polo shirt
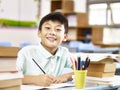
50 64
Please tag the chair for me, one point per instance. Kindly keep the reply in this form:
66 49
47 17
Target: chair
5 43
23 44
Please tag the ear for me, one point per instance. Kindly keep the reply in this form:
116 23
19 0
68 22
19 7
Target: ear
65 37
39 33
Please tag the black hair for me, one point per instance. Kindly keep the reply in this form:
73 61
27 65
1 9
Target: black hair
55 16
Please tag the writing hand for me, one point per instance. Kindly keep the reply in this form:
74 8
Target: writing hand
44 80
63 78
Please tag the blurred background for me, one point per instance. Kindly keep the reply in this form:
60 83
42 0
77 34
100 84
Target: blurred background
94 25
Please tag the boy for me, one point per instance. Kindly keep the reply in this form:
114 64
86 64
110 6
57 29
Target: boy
49 55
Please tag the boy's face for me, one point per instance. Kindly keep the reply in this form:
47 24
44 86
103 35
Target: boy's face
52 34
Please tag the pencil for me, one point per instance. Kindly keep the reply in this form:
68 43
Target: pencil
79 63
39 66
73 62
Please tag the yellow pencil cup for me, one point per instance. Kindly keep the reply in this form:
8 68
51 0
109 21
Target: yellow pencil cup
80 78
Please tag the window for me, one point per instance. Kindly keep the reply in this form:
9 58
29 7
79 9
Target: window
104 12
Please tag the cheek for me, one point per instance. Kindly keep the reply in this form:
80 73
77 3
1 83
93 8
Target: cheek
43 33
62 37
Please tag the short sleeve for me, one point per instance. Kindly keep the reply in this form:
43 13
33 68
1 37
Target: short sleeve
20 61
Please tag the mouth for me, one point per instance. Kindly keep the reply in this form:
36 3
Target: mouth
51 39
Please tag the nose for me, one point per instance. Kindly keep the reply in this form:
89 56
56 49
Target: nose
52 32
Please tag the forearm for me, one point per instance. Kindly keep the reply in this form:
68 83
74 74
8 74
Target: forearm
41 80
29 79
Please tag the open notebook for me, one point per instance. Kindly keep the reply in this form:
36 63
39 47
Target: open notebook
34 87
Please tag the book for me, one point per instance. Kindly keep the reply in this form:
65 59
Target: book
105 59
7 65
9 75
18 87
11 80
100 57
102 67
100 74
105 80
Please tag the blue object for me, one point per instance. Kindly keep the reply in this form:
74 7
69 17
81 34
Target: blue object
5 43
26 44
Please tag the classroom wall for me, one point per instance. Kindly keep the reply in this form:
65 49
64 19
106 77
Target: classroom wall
19 35
18 9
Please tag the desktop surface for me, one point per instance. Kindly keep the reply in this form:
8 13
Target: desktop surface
89 86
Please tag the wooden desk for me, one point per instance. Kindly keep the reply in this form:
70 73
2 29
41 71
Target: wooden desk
8 51
89 86
107 44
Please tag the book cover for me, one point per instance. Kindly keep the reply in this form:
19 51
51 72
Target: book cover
101 57
10 83
101 74
105 80
10 79
7 64
102 67
18 87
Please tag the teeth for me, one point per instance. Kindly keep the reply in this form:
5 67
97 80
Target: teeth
51 39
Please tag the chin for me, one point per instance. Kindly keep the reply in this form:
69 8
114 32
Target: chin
52 46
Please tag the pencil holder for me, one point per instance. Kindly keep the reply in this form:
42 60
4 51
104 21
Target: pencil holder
80 78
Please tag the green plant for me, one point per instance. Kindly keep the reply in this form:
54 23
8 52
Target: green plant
15 23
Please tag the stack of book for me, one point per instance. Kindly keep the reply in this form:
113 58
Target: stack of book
111 81
102 68
10 80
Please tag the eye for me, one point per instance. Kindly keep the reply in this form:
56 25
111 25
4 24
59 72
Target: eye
59 29
47 28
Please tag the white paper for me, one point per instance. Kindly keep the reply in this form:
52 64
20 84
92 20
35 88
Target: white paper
6 76
97 56
33 87
106 80
30 87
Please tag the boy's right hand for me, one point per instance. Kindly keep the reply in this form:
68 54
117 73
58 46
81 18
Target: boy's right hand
43 80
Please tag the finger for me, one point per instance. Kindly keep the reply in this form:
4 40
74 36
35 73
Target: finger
57 81
50 79
51 76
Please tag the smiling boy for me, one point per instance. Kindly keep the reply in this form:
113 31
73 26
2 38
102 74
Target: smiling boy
49 55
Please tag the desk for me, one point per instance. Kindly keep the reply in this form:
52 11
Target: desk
107 44
89 86
8 52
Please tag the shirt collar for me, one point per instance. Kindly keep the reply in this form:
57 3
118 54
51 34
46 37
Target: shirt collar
48 54
58 53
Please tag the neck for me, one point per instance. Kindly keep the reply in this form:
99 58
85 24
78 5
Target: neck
51 50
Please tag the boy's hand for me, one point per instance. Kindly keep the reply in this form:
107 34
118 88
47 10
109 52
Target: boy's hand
63 78
46 79
43 80
60 79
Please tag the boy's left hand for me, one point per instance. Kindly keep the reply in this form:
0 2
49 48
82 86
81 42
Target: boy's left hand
63 78
60 79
